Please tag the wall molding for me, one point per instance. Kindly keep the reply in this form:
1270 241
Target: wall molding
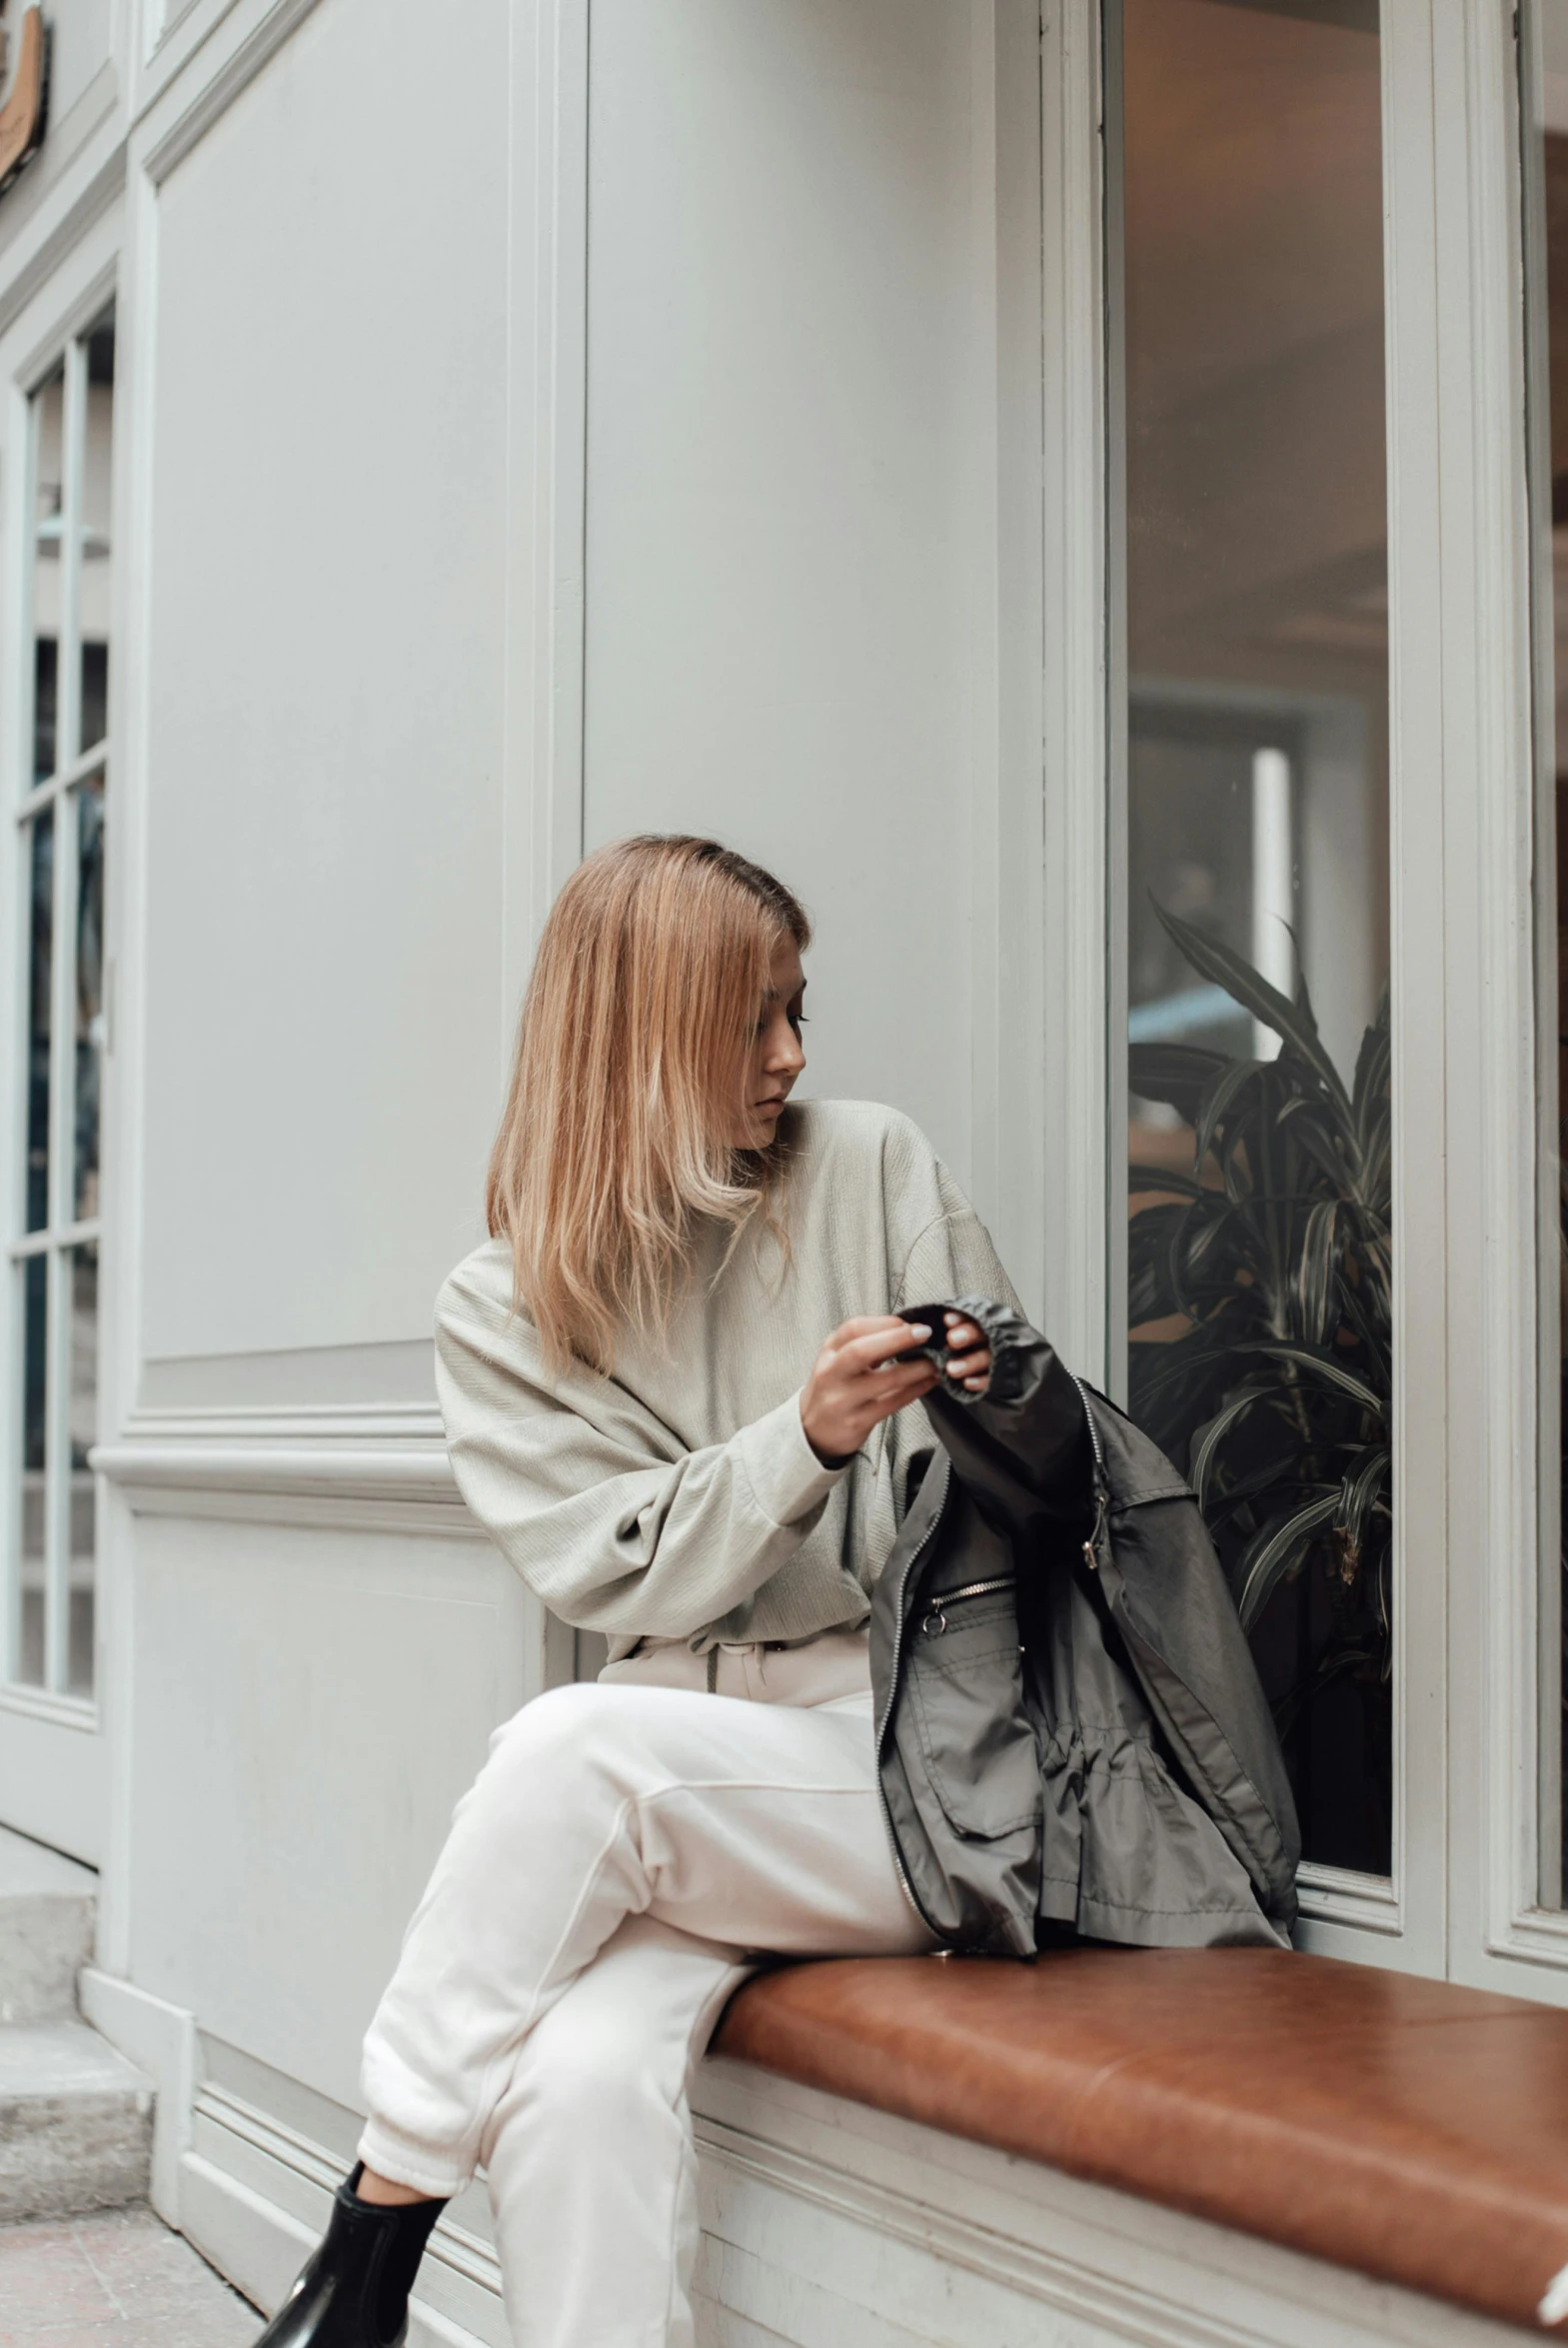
380 1469
254 2197
1042 2274
27 276
547 479
159 2039
217 88
349 1423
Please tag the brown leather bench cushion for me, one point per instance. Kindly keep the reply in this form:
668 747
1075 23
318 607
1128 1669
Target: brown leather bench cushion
1409 2129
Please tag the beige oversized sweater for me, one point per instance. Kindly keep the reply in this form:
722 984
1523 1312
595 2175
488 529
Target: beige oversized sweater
679 1498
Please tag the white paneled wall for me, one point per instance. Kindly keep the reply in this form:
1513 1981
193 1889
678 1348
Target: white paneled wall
328 596
310 1704
785 371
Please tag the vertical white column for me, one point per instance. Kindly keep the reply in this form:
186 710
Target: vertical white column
1273 891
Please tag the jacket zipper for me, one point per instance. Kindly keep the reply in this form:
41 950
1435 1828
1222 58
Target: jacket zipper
941 1601
969 1590
900 1869
1091 1547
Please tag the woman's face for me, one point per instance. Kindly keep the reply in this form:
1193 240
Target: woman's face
773 1058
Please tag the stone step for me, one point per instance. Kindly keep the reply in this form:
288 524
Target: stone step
76 2122
46 1930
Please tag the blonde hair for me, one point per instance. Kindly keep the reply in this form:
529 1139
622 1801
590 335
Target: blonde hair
643 997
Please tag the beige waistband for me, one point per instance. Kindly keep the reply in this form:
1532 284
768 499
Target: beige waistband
825 1670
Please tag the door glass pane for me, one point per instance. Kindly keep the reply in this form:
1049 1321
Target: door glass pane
48 411
1258 1240
39 1015
34 1349
96 523
1544 55
89 991
84 1433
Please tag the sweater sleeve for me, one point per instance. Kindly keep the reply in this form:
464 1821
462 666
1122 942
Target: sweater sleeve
938 1248
606 1518
953 1255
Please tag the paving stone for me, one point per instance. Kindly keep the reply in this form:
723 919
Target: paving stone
75 2123
120 2279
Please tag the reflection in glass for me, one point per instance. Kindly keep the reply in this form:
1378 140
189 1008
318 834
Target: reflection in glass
35 1322
1258 1245
95 586
39 1017
89 991
84 1433
48 459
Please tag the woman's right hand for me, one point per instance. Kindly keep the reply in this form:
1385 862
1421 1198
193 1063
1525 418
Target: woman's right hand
858 1381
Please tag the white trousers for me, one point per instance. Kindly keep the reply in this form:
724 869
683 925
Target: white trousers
625 1855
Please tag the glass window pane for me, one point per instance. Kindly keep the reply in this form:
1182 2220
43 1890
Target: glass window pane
48 412
84 1433
1257 700
31 1499
39 1018
89 991
97 518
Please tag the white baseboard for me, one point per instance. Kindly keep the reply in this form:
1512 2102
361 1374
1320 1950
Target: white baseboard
253 2198
260 2248
161 2040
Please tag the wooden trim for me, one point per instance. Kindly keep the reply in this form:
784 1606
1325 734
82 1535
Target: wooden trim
24 117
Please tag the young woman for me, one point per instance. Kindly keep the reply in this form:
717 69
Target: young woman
674 1395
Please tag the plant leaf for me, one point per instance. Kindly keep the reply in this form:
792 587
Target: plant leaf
1143 1179
1173 1072
1372 1059
1322 1366
1207 1440
1317 1269
1360 1491
1216 961
1313 1134
1217 1098
1269 1555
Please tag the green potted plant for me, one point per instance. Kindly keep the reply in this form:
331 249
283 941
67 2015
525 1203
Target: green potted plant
1272 1259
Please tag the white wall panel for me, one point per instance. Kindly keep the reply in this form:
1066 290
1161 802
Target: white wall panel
784 488
81 30
309 1707
324 834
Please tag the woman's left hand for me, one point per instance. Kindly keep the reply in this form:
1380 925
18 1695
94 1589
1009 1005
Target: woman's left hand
968 1362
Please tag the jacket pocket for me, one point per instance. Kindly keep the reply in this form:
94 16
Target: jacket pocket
966 1690
1156 1872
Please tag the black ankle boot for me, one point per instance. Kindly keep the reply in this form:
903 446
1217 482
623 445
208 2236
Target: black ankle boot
354 2290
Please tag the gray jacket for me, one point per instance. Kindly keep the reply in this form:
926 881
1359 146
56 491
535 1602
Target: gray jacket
1070 1731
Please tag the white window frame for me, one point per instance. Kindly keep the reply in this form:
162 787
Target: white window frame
48 332
1462 1895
